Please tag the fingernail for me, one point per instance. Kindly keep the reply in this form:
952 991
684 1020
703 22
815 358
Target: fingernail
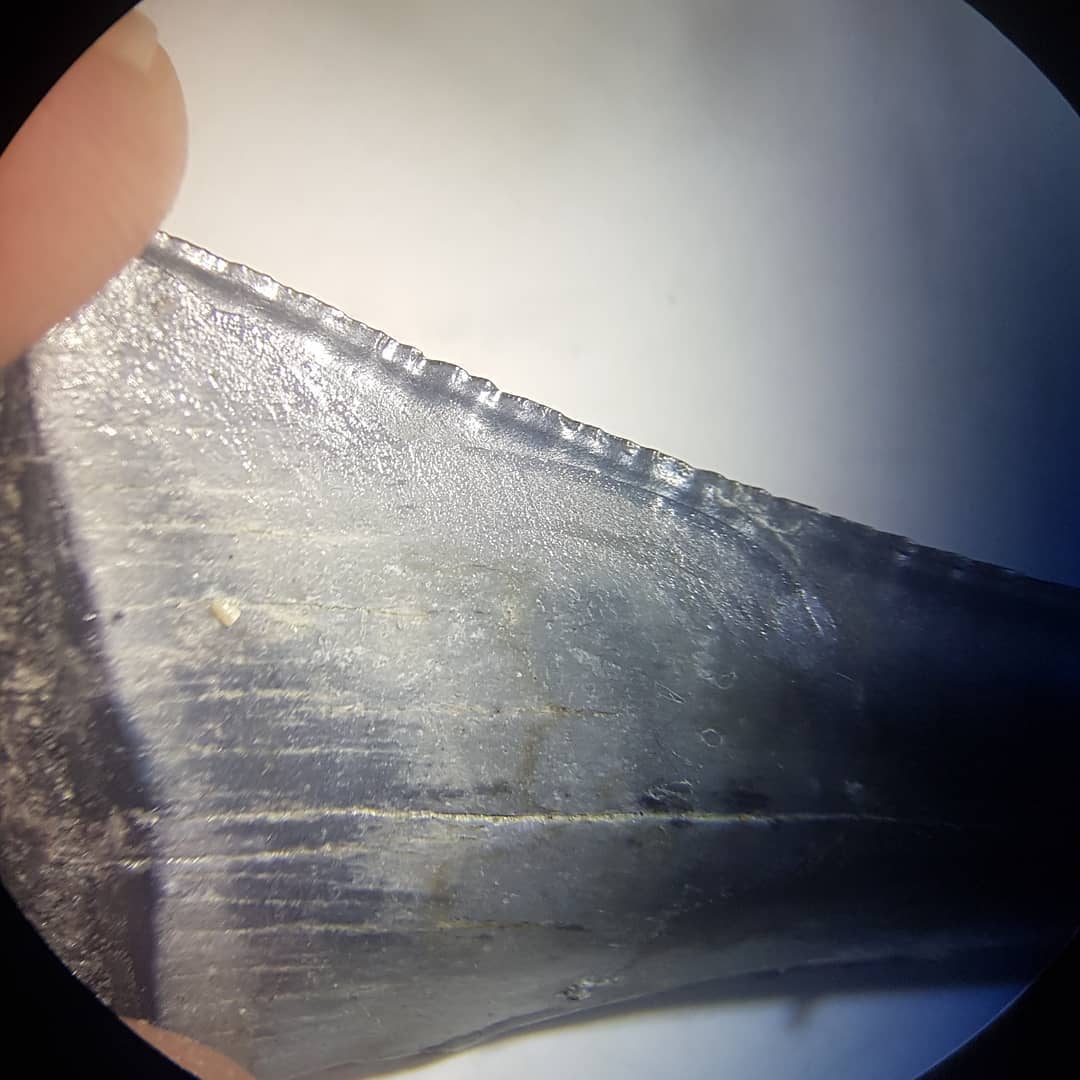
132 40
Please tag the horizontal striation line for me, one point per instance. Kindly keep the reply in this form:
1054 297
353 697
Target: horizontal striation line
602 817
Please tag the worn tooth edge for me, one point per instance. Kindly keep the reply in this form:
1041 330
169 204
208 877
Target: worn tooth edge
701 490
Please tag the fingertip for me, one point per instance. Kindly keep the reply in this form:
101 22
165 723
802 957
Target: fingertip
198 1059
132 40
88 179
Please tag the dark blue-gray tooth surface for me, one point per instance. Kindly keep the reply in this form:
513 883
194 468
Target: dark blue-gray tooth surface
352 710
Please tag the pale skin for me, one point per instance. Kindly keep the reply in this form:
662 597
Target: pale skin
83 186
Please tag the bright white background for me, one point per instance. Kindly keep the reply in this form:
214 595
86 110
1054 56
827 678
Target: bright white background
827 247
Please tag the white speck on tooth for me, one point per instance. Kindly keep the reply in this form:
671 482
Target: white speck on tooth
226 611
